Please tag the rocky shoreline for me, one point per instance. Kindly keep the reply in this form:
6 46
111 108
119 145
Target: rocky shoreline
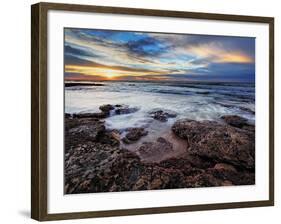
96 159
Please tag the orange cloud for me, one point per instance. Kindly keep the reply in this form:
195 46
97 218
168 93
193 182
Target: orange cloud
216 53
107 73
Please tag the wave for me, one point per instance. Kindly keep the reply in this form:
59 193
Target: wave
194 101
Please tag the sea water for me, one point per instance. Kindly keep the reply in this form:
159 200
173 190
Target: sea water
193 100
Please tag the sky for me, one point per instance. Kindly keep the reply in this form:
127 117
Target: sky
95 55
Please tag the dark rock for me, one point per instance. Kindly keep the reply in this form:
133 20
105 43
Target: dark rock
155 149
203 93
218 142
235 121
88 131
123 109
203 179
67 115
231 175
110 138
95 161
106 108
134 134
98 115
225 167
162 116
82 84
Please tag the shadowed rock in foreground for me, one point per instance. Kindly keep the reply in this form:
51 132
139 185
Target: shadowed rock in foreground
217 154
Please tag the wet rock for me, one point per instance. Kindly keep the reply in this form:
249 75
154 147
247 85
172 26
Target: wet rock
110 138
218 142
124 109
156 183
203 179
203 92
226 183
225 167
67 115
158 149
116 134
88 131
82 84
95 161
162 116
182 164
235 121
98 115
134 134
232 176
106 108
141 184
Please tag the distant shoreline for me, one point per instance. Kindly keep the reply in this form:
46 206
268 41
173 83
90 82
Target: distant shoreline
82 84
69 83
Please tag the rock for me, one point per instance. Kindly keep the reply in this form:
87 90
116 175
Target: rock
227 183
67 115
203 179
88 131
224 166
123 109
156 149
218 142
140 184
134 134
95 161
110 138
70 84
106 108
98 115
232 176
235 121
203 92
116 135
156 183
162 116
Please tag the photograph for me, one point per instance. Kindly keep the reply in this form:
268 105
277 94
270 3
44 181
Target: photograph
154 111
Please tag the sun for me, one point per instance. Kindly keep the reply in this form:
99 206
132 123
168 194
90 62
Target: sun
109 75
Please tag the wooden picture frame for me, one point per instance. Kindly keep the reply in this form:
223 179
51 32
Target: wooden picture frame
39 109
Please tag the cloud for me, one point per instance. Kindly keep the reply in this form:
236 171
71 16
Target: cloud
79 77
219 49
70 50
119 54
216 52
147 46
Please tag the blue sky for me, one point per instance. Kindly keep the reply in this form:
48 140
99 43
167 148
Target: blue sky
121 55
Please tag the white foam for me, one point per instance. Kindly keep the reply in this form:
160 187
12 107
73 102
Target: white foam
147 97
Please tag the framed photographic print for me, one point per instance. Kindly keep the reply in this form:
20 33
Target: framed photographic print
139 111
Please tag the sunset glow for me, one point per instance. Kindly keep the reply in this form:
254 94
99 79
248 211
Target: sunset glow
119 55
